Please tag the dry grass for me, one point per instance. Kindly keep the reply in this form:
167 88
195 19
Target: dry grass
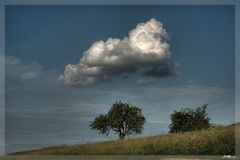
214 141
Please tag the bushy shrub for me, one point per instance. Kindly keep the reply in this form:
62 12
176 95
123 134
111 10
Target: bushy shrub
188 120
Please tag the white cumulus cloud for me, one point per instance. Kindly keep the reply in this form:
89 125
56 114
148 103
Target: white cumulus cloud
145 47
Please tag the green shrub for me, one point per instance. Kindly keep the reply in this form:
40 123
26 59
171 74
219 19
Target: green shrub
188 120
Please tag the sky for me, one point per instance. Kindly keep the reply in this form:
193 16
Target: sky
67 64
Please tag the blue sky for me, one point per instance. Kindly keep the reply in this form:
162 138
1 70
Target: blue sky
40 41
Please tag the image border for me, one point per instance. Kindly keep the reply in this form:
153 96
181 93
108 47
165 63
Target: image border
4 3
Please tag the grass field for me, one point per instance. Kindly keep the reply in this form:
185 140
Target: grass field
214 141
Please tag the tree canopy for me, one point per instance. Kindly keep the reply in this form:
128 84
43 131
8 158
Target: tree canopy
123 119
188 120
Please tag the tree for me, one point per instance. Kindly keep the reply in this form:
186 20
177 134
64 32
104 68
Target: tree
189 120
122 118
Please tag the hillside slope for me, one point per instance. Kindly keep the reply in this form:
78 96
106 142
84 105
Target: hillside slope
214 141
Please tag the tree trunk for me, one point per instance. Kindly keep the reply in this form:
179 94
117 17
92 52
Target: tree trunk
121 135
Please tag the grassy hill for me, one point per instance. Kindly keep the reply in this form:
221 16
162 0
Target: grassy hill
214 141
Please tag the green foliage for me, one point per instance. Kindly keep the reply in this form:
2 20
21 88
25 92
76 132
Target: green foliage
218 140
122 118
101 123
189 120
